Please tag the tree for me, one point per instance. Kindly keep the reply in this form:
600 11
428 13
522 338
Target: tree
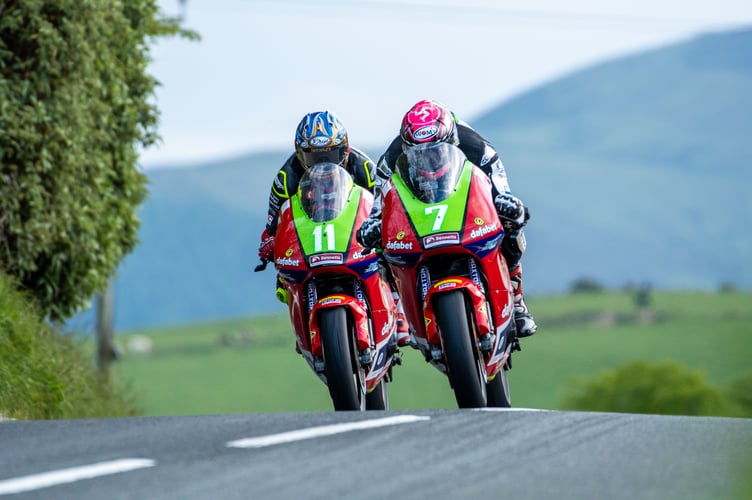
666 388
586 285
74 108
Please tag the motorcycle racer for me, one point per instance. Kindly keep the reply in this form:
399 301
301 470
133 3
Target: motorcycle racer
319 137
431 121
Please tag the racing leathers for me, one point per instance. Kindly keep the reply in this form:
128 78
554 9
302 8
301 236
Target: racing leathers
513 213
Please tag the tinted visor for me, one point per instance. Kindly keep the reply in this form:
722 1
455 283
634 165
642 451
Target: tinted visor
330 155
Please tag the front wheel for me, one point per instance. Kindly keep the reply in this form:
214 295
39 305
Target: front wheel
344 379
465 367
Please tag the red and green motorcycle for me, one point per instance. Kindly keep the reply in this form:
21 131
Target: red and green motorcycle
441 236
341 309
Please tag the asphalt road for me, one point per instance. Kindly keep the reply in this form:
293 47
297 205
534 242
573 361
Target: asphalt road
514 454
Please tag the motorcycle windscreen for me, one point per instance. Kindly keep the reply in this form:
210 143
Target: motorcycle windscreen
324 190
432 170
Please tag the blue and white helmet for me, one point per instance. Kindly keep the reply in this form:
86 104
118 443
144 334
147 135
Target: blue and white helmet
321 137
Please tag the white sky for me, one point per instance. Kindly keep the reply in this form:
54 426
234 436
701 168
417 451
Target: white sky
262 64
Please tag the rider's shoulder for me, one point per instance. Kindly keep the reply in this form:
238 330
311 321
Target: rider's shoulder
358 157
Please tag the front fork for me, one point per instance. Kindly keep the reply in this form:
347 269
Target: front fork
490 340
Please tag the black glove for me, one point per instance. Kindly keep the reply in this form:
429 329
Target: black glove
369 234
511 211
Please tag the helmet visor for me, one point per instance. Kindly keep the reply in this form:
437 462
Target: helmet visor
336 155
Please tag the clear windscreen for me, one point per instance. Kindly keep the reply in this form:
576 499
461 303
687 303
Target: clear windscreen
324 190
431 170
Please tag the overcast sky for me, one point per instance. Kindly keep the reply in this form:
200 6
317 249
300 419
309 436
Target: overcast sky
261 65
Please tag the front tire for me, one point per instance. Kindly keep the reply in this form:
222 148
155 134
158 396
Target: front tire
466 373
343 377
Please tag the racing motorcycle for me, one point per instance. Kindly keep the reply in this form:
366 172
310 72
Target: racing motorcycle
341 307
441 237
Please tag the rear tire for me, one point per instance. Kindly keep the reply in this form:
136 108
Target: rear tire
464 368
343 377
498 390
377 399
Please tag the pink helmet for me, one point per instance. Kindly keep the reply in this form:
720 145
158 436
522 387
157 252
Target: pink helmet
428 121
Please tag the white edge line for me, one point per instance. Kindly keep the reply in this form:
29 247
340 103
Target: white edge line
325 430
52 478
493 409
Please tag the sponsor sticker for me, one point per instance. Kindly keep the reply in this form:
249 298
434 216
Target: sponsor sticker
399 245
325 259
424 282
332 299
505 312
483 230
400 236
286 261
320 141
448 283
424 133
358 254
435 240
289 252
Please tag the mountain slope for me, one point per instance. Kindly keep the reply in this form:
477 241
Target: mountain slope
635 171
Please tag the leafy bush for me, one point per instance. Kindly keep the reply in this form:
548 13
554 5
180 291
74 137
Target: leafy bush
74 105
740 394
586 285
46 375
665 388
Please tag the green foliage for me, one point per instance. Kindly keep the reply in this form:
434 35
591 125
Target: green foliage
740 394
666 388
190 370
74 106
46 375
586 285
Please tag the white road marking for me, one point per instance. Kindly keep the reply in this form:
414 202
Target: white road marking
52 478
509 409
325 430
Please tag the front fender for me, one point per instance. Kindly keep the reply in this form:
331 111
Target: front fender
477 298
359 315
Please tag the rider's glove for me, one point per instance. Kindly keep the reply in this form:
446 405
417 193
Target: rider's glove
266 248
511 210
369 234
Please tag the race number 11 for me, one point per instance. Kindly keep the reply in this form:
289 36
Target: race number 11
318 233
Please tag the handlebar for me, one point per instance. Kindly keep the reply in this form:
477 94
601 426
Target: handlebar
261 266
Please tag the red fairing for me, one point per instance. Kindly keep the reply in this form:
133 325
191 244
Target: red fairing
373 313
480 239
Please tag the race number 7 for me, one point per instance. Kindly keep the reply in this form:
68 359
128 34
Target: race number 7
440 213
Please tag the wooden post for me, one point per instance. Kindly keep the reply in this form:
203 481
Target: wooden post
106 353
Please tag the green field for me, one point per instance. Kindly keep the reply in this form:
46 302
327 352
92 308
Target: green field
250 366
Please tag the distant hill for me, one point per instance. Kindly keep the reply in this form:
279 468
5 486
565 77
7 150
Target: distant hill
636 170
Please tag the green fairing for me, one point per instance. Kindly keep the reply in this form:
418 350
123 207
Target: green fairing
424 218
343 225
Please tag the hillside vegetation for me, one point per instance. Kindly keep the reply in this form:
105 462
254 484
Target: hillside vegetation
634 170
250 365
44 374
